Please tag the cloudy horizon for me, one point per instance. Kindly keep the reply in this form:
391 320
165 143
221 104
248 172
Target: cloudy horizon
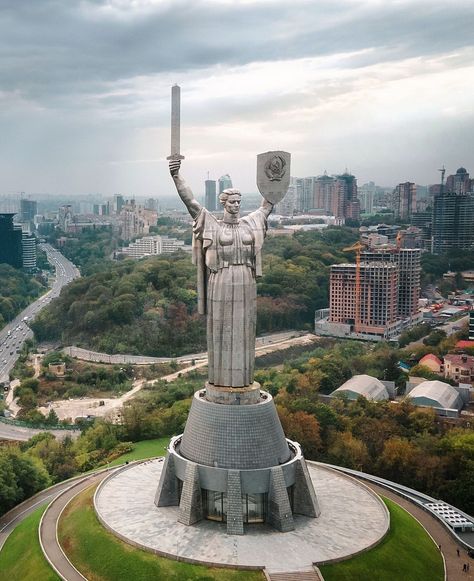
384 89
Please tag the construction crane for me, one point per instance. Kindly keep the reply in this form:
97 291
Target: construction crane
357 247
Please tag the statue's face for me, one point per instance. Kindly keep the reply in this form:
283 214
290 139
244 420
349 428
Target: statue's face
232 204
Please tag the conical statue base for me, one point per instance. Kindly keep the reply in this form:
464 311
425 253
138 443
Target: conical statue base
233 464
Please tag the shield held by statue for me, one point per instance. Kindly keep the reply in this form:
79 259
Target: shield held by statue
273 175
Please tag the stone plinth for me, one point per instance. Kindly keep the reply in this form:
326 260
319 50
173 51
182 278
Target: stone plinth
233 395
231 457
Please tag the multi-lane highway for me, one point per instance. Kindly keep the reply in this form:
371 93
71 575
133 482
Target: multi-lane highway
15 333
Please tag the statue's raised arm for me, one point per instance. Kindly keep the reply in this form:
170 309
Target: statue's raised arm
184 191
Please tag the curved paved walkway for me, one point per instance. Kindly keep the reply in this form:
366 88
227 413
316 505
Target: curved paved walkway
441 536
48 527
11 519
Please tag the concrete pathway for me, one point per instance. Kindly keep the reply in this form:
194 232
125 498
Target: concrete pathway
441 536
13 517
48 529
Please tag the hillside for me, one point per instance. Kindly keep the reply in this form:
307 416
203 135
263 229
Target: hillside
17 291
149 307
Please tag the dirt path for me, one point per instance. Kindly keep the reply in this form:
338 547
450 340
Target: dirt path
92 407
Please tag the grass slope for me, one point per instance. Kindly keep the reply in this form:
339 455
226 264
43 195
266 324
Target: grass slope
102 557
21 556
406 554
142 450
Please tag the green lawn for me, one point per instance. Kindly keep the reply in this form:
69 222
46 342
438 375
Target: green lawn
100 556
406 554
143 449
21 556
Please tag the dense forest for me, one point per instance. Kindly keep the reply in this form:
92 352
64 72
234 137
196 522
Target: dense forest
17 290
149 307
88 250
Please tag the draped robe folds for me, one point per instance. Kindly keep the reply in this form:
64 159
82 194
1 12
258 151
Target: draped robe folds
228 259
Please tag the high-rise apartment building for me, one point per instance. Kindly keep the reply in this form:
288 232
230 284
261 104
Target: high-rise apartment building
452 222
323 192
408 263
28 245
224 183
365 298
366 195
336 195
345 203
28 210
152 204
210 196
404 197
10 241
459 183
118 203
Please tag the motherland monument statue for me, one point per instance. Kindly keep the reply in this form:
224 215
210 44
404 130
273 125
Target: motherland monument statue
233 463
227 254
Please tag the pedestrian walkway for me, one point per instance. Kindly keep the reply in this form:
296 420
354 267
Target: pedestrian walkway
449 546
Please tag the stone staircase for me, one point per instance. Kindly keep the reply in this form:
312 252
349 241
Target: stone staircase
295 576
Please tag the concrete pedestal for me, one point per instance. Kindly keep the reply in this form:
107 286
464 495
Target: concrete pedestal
235 453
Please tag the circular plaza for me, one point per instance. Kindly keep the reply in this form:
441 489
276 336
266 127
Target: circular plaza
353 519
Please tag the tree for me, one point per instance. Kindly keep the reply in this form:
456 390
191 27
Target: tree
20 477
304 428
346 450
398 460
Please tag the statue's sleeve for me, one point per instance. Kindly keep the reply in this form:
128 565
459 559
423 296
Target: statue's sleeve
257 221
205 228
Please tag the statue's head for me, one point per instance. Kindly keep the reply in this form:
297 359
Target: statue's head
230 199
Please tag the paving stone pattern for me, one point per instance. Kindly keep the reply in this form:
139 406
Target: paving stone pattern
352 518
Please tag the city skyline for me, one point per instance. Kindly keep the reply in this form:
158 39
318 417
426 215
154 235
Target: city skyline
382 90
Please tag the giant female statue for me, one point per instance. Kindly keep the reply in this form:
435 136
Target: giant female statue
227 253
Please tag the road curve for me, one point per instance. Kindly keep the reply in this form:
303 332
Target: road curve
13 517
48 528
22 434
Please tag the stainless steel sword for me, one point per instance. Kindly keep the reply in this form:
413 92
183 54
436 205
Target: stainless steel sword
175 122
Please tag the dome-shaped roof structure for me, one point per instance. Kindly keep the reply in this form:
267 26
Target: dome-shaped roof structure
363 385
436 394
461 170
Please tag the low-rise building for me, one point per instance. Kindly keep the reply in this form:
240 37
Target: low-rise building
153 246
460 368
444 398
432 362
363 385
57 368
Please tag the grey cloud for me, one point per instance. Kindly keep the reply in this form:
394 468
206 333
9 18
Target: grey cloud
51 48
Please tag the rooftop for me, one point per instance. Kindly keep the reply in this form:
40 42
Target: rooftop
461 360
436 394
365 385
430 357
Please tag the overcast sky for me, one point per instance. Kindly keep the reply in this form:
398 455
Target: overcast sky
383 88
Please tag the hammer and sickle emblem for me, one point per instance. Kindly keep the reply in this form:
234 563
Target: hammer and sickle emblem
275 168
